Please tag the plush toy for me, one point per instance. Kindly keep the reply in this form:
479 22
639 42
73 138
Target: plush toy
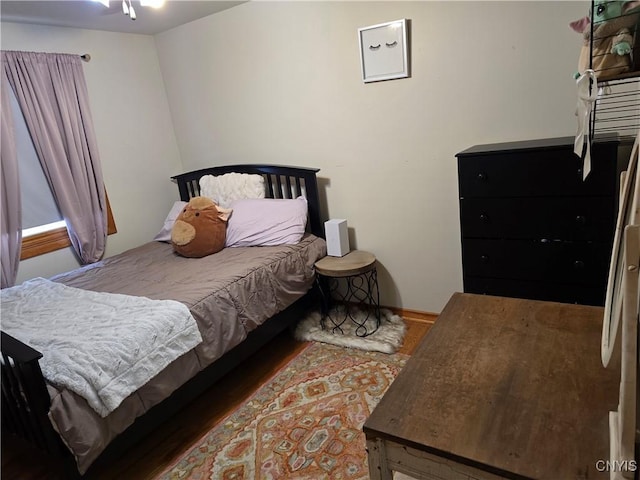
200 229
614 26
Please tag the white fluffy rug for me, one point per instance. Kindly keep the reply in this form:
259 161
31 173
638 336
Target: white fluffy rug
387 339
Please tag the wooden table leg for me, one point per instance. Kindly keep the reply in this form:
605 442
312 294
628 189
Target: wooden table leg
377 455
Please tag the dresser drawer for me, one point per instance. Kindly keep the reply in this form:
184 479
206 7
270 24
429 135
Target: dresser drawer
567 218
551 172
553 292
549 261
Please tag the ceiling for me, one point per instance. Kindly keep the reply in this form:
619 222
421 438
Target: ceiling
92 15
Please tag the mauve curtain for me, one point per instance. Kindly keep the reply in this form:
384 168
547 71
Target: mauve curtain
10 207
53 97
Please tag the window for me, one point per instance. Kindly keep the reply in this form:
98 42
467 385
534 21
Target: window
43 228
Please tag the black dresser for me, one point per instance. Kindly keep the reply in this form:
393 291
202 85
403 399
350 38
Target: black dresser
531 227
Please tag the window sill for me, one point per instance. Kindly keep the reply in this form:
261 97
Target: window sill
57 239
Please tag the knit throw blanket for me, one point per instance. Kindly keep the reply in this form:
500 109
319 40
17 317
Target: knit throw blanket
101 346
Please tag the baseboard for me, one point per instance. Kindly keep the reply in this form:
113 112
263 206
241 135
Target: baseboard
414 315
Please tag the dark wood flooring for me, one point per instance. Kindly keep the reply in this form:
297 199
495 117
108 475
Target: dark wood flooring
151 456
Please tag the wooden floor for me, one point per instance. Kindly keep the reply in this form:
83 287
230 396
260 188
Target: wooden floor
172 439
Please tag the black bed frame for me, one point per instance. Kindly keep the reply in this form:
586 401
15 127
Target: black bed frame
26 402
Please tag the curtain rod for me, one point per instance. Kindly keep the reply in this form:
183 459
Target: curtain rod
85 57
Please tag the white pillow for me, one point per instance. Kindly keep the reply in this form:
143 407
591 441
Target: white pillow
227 188
266 221
164 235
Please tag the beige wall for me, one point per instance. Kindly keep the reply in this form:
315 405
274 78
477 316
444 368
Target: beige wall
280 82
133 126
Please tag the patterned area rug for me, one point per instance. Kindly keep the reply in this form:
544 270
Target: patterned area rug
305 423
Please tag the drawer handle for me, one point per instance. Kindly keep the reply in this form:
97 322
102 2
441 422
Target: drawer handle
484 218
484 258
581 219
578 264
482 176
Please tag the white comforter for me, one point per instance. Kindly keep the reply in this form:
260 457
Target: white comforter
102 346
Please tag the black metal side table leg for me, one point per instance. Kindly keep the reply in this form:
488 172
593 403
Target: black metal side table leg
325 298
334 298
364 290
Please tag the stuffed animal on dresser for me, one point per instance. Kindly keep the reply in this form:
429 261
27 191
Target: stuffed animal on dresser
614 27
200 229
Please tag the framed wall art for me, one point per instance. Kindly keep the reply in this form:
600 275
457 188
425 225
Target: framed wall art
384 51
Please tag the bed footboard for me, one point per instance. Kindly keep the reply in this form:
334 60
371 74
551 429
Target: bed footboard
25 400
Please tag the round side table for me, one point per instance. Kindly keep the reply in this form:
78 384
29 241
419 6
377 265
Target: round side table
356 271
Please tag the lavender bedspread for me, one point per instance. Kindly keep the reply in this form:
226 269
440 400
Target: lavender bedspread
229 294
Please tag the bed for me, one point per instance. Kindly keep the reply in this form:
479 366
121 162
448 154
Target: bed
240 298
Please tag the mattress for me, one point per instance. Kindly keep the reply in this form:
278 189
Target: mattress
229 294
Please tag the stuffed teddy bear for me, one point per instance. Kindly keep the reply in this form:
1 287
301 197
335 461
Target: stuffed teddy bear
200 229
614 25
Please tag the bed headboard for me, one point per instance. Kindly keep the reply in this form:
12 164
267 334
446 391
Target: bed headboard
280 182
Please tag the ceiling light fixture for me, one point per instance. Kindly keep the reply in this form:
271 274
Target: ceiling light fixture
128 10
127 7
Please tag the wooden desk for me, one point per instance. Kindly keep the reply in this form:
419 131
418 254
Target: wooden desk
499 388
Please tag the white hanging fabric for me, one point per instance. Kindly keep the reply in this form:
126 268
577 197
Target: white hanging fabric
587 95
